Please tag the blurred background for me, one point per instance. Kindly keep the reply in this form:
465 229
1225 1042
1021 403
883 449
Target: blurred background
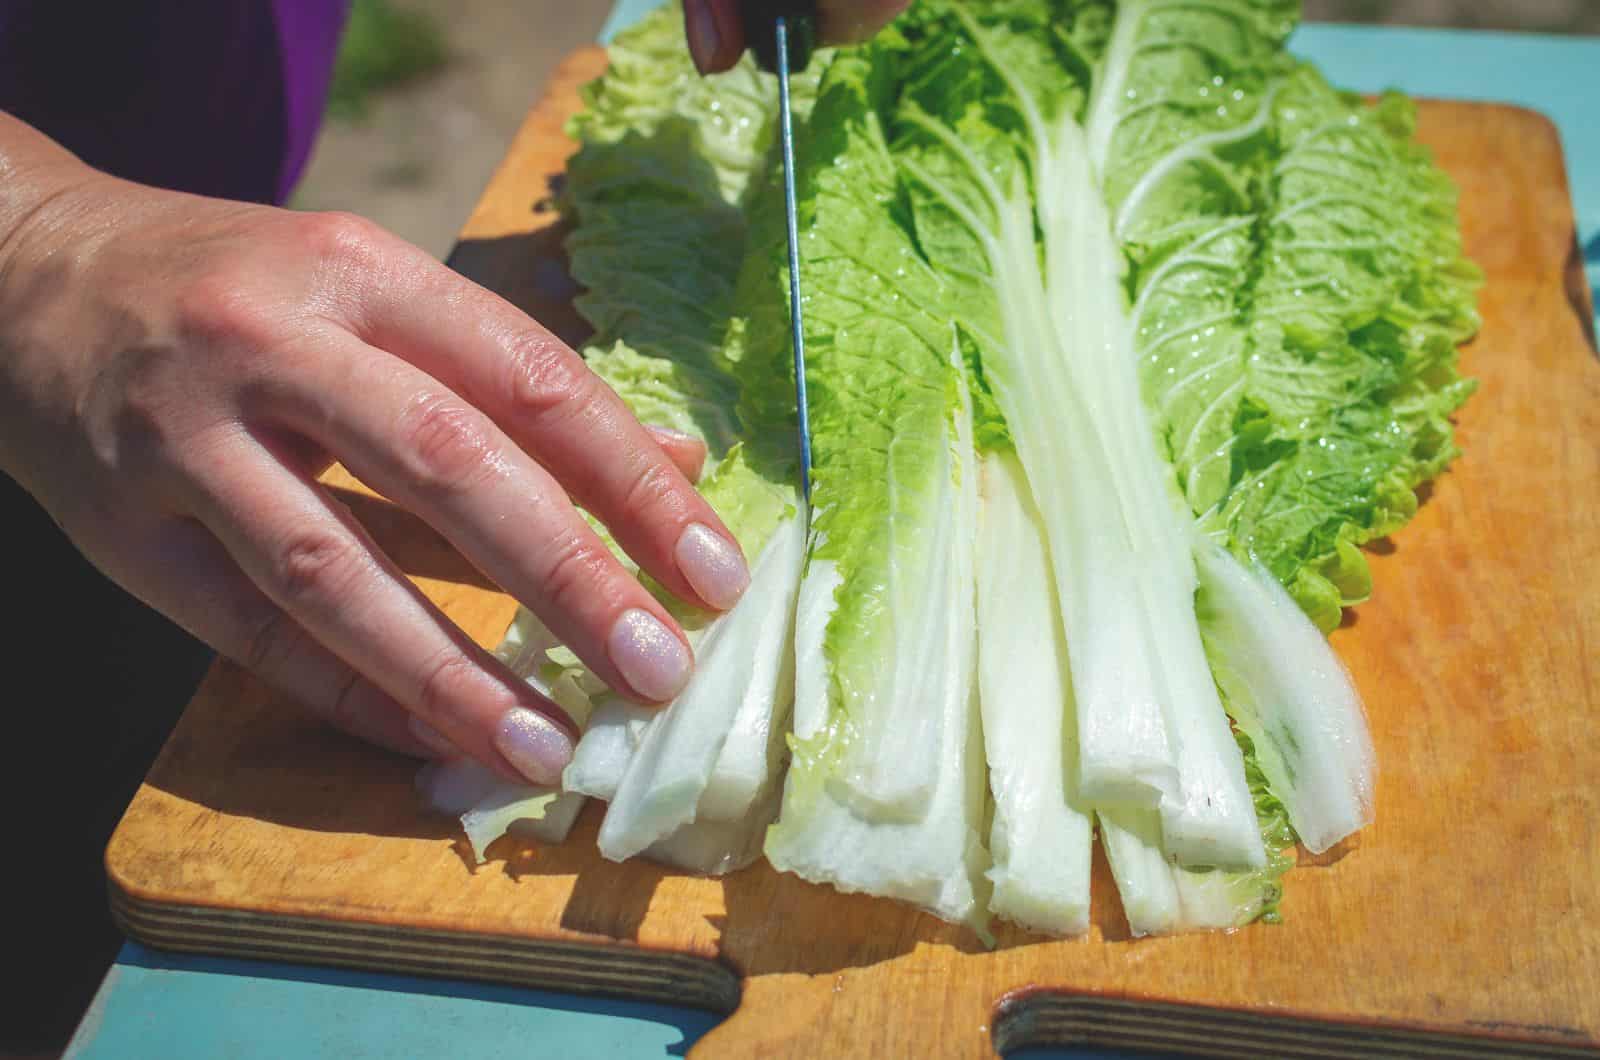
429 92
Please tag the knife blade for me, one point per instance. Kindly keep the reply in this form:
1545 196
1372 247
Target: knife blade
782 35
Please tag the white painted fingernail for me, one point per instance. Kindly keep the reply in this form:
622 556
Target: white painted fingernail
712 565
432 738
536 746
650 658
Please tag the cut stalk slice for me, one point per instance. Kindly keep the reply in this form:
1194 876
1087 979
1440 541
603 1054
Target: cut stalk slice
1145 880
1290 694
748 768
544 814
455 785
891 707
1041 837
1211 822
1088 505
716 848
938 860
1160 898
740 676
1208 817
1219 900
819 588
607 745
489 807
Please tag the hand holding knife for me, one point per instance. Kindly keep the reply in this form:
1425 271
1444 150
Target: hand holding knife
782 35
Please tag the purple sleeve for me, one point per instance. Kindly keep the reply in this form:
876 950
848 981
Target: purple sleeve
308 38
217 97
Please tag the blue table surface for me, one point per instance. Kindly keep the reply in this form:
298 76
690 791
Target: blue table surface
157 1004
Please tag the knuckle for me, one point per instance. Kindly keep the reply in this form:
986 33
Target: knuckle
576 568
449 444
547 378
654 486
342 239
315 567
272 642
446 682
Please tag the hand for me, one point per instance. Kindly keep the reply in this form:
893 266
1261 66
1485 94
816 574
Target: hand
716 34
175 372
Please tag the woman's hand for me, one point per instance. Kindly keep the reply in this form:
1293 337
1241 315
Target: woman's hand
716 33
174 373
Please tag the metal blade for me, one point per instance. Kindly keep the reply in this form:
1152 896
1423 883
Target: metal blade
791 216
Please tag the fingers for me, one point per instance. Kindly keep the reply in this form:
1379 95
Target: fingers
716 35
217 603
542 395
716 32
426 449
312 561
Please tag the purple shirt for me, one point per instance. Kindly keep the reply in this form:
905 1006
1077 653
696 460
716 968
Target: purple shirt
218 97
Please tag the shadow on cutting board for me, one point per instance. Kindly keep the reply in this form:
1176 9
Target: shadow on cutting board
761 906
287 768
417 548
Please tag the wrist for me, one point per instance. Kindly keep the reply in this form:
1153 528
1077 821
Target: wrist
36 174
40 183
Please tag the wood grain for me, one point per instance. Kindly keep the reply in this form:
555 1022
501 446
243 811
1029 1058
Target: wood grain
1466 921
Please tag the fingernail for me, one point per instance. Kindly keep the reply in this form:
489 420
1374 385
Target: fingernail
671 433
536 746
712 565
653 661
702 30
432 738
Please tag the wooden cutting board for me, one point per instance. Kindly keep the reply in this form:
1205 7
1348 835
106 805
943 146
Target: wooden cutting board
1466 921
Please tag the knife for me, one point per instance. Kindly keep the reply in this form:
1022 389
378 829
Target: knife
782 34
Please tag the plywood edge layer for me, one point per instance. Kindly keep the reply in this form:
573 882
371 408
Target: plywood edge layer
1059 1019
604 969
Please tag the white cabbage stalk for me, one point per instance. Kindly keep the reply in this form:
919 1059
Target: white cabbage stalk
602 755
543 814
747 768
819 588
715 848
1209 819
1160 898
1291 695
1151 728
1041 836
936 861
743 679
1145 880
489 807
455 785
894 712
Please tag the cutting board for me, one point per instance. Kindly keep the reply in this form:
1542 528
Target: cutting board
1466 921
